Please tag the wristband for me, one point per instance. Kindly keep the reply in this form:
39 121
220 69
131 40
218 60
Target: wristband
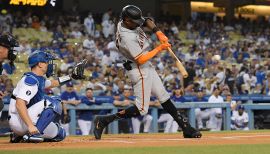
64 79
155 29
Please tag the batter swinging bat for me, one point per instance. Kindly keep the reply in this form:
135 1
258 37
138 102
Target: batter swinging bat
179 64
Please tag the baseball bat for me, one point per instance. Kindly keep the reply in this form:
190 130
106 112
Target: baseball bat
179 64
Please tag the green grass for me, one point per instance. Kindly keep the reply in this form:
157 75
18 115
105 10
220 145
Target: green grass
213 149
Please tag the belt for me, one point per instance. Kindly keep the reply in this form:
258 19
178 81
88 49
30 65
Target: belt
127 65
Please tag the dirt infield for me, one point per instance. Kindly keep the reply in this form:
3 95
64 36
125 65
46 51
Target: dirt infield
146 140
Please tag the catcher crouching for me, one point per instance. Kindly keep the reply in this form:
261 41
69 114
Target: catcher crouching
31 111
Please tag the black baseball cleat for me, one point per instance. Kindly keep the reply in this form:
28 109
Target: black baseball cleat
100 123
14 138
191 132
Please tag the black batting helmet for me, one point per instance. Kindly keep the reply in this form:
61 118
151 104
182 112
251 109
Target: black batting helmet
134 13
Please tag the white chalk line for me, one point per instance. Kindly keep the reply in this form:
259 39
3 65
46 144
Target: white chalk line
116 140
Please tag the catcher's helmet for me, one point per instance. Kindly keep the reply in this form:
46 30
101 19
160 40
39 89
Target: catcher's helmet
41 56
134 13
8 41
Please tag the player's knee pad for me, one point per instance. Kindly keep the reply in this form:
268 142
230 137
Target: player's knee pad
61 134
55 104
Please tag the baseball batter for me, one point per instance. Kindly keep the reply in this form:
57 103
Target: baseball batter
32 112
134 46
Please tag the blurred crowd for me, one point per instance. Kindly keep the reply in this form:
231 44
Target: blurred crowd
210 50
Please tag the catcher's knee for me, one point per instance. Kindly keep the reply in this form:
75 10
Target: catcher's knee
55 104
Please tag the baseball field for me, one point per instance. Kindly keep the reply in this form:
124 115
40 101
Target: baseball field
234 142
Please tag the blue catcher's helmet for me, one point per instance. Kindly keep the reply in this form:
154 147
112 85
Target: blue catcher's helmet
41 56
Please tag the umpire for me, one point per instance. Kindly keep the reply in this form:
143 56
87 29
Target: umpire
7 43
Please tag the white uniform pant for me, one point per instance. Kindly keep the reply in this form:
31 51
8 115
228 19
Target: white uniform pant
174 127
19 127
214 123
168 119
85 126
145 82
136 123
236 128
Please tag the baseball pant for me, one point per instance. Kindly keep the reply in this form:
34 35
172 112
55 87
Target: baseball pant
145 82
136 123
19 127
200 115
233 127
168 119
174 127
215 123
85 126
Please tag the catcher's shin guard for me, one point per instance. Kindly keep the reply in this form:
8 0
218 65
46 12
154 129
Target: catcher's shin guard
100 123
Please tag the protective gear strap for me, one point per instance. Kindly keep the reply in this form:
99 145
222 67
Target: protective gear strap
64 79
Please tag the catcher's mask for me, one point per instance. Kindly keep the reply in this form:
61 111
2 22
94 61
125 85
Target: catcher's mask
134 13
8 41
41 56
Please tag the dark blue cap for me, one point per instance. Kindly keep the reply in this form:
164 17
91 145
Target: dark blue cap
116 93
69 84
241 107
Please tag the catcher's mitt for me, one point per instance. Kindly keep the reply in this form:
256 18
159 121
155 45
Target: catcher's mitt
78 70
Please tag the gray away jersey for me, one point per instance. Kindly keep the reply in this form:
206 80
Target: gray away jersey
131 43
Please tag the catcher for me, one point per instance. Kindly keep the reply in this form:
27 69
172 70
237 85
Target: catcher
31 111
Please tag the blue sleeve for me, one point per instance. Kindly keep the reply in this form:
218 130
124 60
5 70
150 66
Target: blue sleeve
184 100
86 101
64 96
76 96
98 102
